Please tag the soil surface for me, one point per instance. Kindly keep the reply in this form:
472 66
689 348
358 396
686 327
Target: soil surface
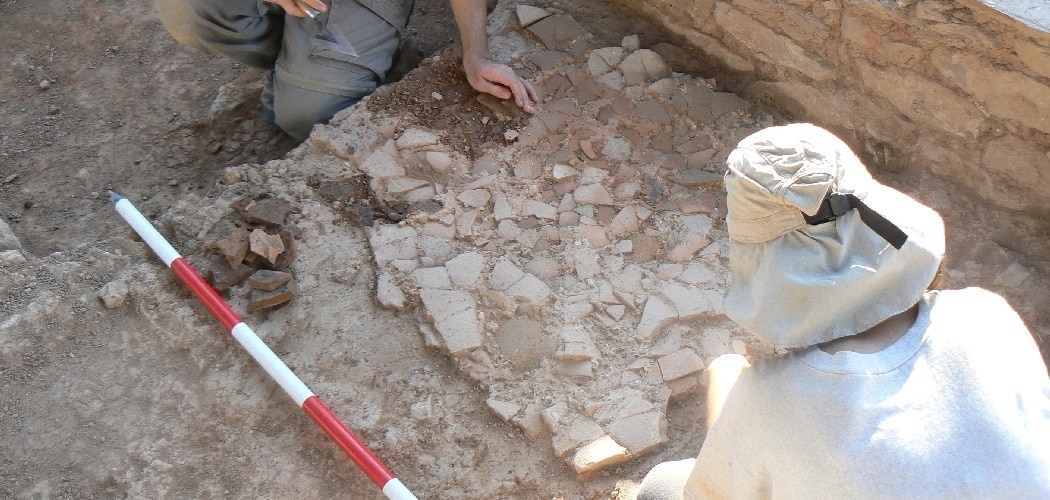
114 382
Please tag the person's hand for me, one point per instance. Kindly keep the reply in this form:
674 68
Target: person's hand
501 81
298 8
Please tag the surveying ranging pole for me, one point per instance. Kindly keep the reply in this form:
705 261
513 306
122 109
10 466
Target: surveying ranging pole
306 399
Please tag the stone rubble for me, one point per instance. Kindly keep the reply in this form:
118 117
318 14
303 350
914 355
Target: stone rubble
585 255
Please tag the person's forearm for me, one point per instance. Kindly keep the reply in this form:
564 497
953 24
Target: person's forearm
472 19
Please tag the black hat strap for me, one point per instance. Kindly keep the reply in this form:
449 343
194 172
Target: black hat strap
837 204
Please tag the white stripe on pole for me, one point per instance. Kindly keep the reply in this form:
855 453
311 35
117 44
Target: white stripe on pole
271 363
149 234
395 490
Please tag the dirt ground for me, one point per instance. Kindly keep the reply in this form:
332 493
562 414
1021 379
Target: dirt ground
149 397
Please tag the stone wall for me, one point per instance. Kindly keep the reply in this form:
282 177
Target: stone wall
952 86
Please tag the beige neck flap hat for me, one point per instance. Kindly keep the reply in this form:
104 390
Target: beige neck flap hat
820 250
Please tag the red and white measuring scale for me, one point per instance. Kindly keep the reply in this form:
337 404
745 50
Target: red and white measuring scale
367 461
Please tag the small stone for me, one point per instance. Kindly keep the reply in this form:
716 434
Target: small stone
266 245
415 138
476 198
234 247
266 300
114 293
464 269
503 409
599 454
432 277
592 194
44 84
267 211
679 364
582 430
539 209
528 14
656 315
267 280
440 161
630 43
436 96
388 294
688 246
643 65
739 347
640 433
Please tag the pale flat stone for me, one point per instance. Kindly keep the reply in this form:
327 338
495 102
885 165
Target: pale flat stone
440 161
505 410
616 311
383 162
527 14
595 235
680 363
592 194
455 318
641 433
573 369
432 277
687 246
391 242
415 138
504 275
388 294
464 269
563 172
400 185
530 290
630 43
599 454
580 431
617 148
586 263
739 347
612 79
691 302
643 65
508 230
656 315
502 209
625 222
539 209
476 198
530 421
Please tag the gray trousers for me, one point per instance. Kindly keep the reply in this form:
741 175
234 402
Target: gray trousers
314 75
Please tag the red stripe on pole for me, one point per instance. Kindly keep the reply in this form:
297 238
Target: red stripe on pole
218 307
345 438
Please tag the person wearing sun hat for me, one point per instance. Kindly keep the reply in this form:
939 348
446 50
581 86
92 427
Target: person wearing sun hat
889 389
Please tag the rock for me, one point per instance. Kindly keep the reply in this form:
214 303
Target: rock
454 314
582 430
503 409
262 299
267 280
643 65
687 246
464 269
640 433
679 364
383 162
528 15
630 43
557 31
524 343
692 302
592 194
114 293
388 294
266 245
415 138
1012 277
530 291
539 209
440 161
655 316
599 454
476 198
234 247
268 211
432 277
8 240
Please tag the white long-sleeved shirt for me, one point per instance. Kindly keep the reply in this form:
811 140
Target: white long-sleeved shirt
959 407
